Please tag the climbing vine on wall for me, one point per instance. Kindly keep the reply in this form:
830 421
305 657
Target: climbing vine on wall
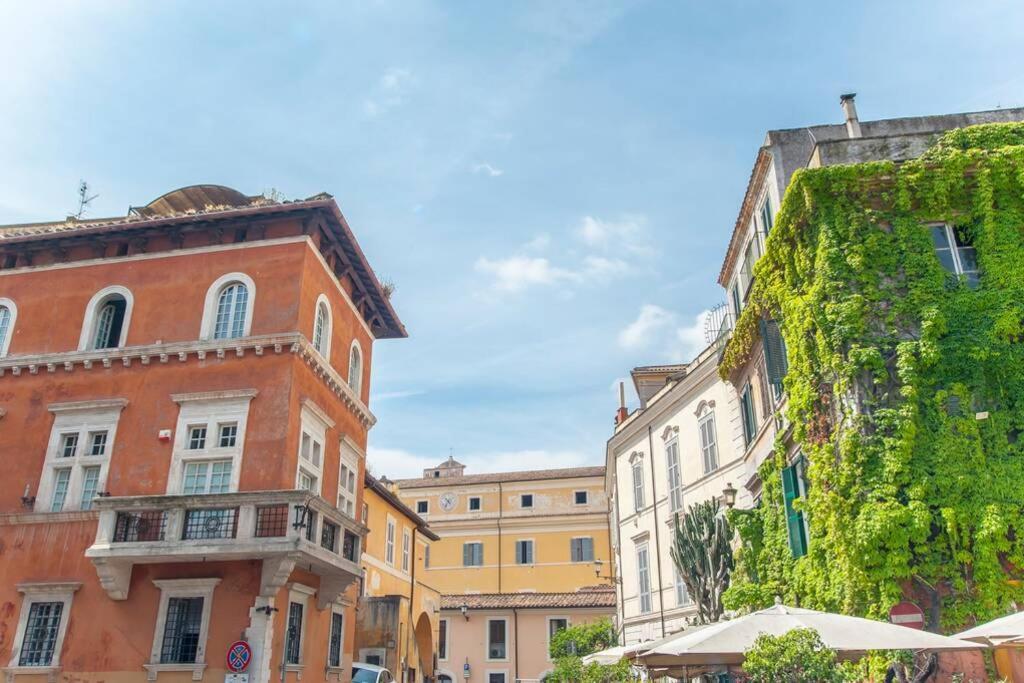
905 385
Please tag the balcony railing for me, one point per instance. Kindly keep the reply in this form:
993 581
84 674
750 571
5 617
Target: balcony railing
280 526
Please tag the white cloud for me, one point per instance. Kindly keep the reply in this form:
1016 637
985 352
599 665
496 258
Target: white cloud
601 267
622 235
397 463
487 169
389 92
516 273
538 243
640 333
392 395
690 338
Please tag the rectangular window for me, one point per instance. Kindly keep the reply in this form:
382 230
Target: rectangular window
421 507
737 305
329 536
524 552
197 437
337 638
955 249
41 632
68 445
293 645
675 477
766 215
207 477
474 503
526 500
580 497
307 482
792 488
708 441
496 639
406 549
98 443
644 579
555 624
62 478
473 554
347 478
496 677
181 631
90 481
750 256
747 414
638 485
389 542
442 639
682 595
581 549
228 435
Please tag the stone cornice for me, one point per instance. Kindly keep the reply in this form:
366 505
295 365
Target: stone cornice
292 342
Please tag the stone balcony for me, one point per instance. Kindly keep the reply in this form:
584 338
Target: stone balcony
284 529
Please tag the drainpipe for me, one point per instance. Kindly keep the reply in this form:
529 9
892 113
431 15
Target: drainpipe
657 534
515 632
412 584
613 514
501 503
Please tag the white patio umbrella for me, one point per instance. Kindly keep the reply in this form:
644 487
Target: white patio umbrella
613 654
724 643
1007 630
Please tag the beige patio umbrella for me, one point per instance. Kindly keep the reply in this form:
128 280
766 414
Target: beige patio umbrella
724 643
1008 630
614 654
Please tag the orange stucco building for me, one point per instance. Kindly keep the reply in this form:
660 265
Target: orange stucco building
184 410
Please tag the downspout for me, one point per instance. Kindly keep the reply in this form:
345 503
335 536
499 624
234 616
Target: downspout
515 631
613 513
412 586
501 503
657 535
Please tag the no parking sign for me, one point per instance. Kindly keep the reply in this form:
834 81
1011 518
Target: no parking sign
239 656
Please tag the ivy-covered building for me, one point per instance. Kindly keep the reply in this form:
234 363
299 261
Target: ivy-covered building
879 359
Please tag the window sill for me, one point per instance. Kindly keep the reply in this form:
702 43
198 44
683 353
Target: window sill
295 669
197 669
336 671
49 671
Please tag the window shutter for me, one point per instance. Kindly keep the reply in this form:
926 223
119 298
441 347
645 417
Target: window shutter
794 518
519 552
467 555
478 554
587 548
774 351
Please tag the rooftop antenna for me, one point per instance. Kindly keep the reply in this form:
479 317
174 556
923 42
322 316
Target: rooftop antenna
83 199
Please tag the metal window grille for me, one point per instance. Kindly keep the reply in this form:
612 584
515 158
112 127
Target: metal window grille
337 632
197 438
350 546
228 435
132 527
41 631
181 631
272 521
68 445
293 646
329 536
98 443
310 526
210 523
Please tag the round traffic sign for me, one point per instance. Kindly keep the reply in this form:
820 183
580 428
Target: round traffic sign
907 614
239 656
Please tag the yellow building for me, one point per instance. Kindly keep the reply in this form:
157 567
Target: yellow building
512 532
397 614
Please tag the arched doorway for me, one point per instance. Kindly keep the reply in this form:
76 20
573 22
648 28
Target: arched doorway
424 646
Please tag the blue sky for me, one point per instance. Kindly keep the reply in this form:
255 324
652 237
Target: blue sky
550 185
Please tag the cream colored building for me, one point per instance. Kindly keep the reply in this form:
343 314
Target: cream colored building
682 446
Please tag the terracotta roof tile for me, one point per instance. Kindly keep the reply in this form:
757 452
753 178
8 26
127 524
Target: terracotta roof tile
592 596
495 477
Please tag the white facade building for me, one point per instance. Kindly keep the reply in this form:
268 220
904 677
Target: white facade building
684 445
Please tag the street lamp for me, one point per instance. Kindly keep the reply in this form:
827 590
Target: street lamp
729 495
465 611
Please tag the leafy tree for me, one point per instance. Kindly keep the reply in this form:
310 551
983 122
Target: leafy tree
798 656
570 645
702 552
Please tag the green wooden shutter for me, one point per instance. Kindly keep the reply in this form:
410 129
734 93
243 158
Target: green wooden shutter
794 518
467 554
774 351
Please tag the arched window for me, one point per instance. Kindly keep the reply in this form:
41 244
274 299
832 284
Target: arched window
322 328
355 369
227 313
106 319
7 315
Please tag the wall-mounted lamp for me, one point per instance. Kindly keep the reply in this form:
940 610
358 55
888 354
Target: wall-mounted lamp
729 495
465 611
598 564
27 501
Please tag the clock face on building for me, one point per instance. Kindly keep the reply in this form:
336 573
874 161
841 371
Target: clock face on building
447 501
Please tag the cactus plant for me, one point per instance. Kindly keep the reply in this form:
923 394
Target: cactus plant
702 552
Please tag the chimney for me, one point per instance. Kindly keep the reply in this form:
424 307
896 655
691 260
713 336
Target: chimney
850 111
621 414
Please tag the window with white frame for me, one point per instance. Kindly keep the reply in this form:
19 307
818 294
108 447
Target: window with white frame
682 595
78 454
443 637
422 507
954 245
182 623
8 314
42 625
355 369
314 424
336 641
227 312
293 633
107 316
406 549
497 639
675 476
643 572
581 549
348 477
555 624
389 541
209 441
524 551
708 438
637 469
322 328
497 677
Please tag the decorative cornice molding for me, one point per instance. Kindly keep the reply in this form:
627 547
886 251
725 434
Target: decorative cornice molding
48 587
318 412
100 404
214 395
292 342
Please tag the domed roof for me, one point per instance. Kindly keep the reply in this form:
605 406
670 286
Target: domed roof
193 198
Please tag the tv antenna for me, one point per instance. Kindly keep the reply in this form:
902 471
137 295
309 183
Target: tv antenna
84 199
